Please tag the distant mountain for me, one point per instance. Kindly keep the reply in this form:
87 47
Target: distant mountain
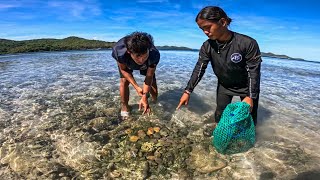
269 54
175 48
76 43
36 45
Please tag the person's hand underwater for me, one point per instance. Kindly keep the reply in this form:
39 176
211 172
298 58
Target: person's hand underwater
139 91
184 100
143 104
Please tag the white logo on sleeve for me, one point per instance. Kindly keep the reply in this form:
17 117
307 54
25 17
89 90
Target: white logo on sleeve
236 57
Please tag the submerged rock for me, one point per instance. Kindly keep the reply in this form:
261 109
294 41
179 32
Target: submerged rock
79 155
100 123
32 159
85 140
205 162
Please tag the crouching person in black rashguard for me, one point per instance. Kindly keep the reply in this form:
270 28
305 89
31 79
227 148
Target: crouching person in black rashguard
235 59
136 52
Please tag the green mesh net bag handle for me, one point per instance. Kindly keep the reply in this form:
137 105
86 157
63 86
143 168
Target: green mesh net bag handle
235 132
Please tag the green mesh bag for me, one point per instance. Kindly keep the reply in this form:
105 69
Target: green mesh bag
235 132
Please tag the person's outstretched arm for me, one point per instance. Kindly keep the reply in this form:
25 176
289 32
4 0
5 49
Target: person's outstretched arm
146 89
197 74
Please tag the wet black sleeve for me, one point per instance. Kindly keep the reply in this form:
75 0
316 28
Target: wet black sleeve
253 66
114 54
118 51
199 69
118 59
154 58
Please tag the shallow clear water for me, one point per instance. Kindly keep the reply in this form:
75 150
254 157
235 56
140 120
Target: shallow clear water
288 118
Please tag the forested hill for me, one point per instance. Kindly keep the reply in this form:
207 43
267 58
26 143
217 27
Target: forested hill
36 45
175 48
69 43
269 54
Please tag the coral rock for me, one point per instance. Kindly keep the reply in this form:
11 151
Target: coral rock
134 138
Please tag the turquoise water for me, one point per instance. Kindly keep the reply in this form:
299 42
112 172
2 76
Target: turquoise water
288 117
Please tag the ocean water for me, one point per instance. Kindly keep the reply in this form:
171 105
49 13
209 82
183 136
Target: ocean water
288 132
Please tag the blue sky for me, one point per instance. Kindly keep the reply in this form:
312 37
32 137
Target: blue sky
290 27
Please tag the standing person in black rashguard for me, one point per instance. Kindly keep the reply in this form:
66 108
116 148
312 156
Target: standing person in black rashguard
235 59
136 52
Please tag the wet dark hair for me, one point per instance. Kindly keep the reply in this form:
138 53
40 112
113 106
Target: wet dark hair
138 42
213 14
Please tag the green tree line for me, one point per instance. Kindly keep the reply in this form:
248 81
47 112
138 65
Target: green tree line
36 45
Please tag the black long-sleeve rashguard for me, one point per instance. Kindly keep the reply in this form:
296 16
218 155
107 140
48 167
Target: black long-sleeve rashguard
236 65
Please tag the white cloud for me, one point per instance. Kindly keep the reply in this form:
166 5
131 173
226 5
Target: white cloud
9 5
76 9
6 6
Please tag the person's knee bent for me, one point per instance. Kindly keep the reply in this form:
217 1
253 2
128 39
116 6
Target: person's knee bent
124 83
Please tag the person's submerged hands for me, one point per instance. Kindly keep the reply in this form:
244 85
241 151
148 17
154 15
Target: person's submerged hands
143 104
184 100
249 101
139 91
